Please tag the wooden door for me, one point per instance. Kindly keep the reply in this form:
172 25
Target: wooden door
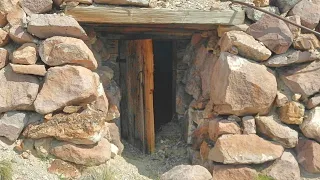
137 84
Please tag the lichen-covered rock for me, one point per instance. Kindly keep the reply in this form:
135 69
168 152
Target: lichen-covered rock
244 149
76 128
284 168
48 25
124 2
60 50
26 54
273 33
309 12
64 169
306 42
234 172
20 35
89 155
4 57
34 69
36 6
247 46
277 131
302 79
18 91
311 124
219 126
292 113
293 56
79 86
308 155
241 87
187 172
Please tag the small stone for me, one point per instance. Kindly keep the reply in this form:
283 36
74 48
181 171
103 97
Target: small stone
189 172
247 46
292 113
12 124
42 146
309 12
244 149
48 25
223 29
296 97
204 151
218 127
114 150
25 155
271 127
234 172
281 99
308 155
64 169
4 38
306 42
20 35
17 17
313 102
4 57
48 117
38 70
311 124
36 6
273 33
249 125
256 15
261 3
71 109
26 54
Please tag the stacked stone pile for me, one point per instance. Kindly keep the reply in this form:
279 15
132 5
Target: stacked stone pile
52 102
255 95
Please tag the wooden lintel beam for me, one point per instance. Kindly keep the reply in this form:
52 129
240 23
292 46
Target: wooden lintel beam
129 15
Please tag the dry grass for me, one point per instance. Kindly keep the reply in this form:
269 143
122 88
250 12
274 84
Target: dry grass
5 170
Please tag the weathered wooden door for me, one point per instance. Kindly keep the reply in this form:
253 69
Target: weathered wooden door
137 84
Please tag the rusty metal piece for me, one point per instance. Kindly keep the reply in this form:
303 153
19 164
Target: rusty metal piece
277 16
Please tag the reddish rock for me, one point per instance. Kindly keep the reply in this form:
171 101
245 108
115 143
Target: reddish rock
38 70
26 54
241 87
36 6
60 50
308 155
244 149
4 38
64 169
232 172
219 126
3 19
79 86
313 102
309 12
48 25
124 2
302 79
89 155
204 150
4 57
20 35
200 134
306 42
273 33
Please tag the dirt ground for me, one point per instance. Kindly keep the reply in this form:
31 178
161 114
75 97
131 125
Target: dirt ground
171 150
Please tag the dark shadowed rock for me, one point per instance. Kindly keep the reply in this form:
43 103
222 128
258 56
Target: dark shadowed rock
308 155
309 12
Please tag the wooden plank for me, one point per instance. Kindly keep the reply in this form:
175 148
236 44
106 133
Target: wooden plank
129 15
181 27
143 36
148 94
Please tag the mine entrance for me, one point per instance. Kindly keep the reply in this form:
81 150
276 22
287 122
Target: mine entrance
148 89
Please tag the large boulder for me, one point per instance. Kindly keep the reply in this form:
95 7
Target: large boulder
48 25
308 155
311 125
241 87
293 56
89 155
187 172
302 79
13 122
124 2
272 127
247 46
18 91
284 168
234 172
84 128
309 12
36 6
273 33
244 149
79 86
66 50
